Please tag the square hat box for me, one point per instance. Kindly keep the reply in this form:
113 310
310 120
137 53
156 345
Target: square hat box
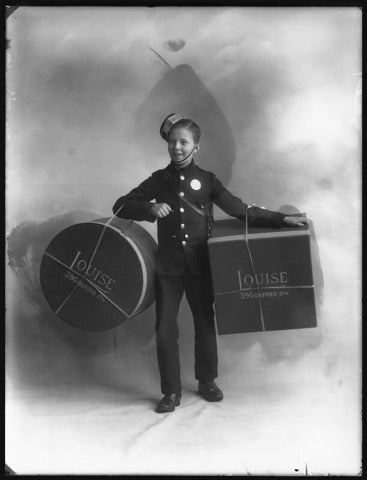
262 281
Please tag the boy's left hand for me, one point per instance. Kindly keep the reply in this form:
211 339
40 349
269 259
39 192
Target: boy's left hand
296 221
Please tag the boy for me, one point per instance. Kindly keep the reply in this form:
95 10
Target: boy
184 195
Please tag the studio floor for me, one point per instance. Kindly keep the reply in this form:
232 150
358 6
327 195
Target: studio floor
83 403
278 420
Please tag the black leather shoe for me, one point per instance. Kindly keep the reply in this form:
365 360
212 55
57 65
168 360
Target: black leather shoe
169 403
210 392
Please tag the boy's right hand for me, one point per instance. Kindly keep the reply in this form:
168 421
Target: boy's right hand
161 210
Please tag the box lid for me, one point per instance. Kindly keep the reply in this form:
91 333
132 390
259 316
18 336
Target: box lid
234 229
276 257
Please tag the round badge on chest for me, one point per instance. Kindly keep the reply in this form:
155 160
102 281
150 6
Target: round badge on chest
195 184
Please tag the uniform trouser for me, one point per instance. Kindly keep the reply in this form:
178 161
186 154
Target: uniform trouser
199 293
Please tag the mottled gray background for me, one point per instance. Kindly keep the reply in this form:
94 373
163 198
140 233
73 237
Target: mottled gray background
82 130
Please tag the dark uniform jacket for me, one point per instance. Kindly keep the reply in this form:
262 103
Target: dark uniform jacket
184 232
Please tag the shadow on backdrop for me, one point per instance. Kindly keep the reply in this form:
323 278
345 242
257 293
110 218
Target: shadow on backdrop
44 350
180 90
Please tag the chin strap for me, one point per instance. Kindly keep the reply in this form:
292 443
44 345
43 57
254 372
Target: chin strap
187 156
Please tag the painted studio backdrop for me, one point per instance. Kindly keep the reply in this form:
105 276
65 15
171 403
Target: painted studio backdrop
277 94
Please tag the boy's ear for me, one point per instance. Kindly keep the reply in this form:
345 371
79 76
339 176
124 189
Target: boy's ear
197 147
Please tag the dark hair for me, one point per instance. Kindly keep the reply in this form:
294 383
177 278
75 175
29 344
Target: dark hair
190 125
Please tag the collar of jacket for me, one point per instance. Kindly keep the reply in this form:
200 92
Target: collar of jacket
179 171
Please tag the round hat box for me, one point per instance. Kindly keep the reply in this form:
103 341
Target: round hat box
97 274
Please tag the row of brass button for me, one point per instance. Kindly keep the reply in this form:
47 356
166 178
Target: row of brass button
182 226
186 235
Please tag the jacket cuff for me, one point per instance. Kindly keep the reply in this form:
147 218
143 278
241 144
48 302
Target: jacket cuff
279 219
149 216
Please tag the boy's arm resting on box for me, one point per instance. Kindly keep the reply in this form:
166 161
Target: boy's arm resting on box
137 205
296 221
256 216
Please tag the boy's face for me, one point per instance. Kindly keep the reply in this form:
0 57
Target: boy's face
181 145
